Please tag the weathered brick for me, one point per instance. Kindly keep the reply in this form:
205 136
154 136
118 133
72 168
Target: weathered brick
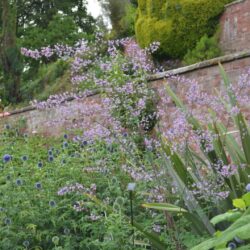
235 23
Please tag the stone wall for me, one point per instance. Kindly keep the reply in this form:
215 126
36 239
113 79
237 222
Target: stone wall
235 27
55 121
206 73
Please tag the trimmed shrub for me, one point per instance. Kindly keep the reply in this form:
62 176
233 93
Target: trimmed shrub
127 22
206 48
176 24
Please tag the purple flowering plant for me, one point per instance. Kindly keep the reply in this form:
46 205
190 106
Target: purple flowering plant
193 157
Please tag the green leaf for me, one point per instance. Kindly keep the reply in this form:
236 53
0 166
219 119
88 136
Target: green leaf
165 207
177 163
240 229
238 119
175 98
227 85
246 198
229 216
192 204
244 135
239 203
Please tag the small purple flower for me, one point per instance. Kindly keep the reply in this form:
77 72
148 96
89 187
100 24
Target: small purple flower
66 231
39 164
248 187
7 158
52 203
38 185
157 228
232 245
19 182
50 158
7 221
7 126
65 144
24 158
50 152
65 136
125 134
26 243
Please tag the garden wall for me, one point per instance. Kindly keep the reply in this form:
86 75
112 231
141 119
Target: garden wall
206 73
235 27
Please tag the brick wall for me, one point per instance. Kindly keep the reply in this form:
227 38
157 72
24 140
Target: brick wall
235 27
206 73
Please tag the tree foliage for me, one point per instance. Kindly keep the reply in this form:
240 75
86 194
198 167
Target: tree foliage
9 52
121 14
34 24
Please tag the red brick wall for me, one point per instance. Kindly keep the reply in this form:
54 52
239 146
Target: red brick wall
235 27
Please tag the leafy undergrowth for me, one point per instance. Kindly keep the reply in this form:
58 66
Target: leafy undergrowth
51 79
59 194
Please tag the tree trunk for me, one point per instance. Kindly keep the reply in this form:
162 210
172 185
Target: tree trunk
9 53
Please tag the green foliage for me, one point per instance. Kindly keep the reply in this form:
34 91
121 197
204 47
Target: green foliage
122 14
218 153
127 22
177 25
51 78
40 14
237 232
61 29
33 219
46 225
10 58
206 48
165 207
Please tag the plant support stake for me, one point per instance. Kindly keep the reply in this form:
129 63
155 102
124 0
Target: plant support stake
131 188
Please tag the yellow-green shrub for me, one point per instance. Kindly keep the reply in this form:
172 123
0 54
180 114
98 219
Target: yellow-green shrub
177 24
206 48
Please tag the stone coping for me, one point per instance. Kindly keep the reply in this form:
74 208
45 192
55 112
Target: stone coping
159 76
201 65
31 108
235 2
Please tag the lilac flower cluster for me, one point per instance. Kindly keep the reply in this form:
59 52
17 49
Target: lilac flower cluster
210 190
141 173
79 206
157 194
74 188
77 188
228 170
94 217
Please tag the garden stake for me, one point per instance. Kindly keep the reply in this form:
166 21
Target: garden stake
131 188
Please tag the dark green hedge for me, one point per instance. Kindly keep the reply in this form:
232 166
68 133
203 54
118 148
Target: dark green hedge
177 24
